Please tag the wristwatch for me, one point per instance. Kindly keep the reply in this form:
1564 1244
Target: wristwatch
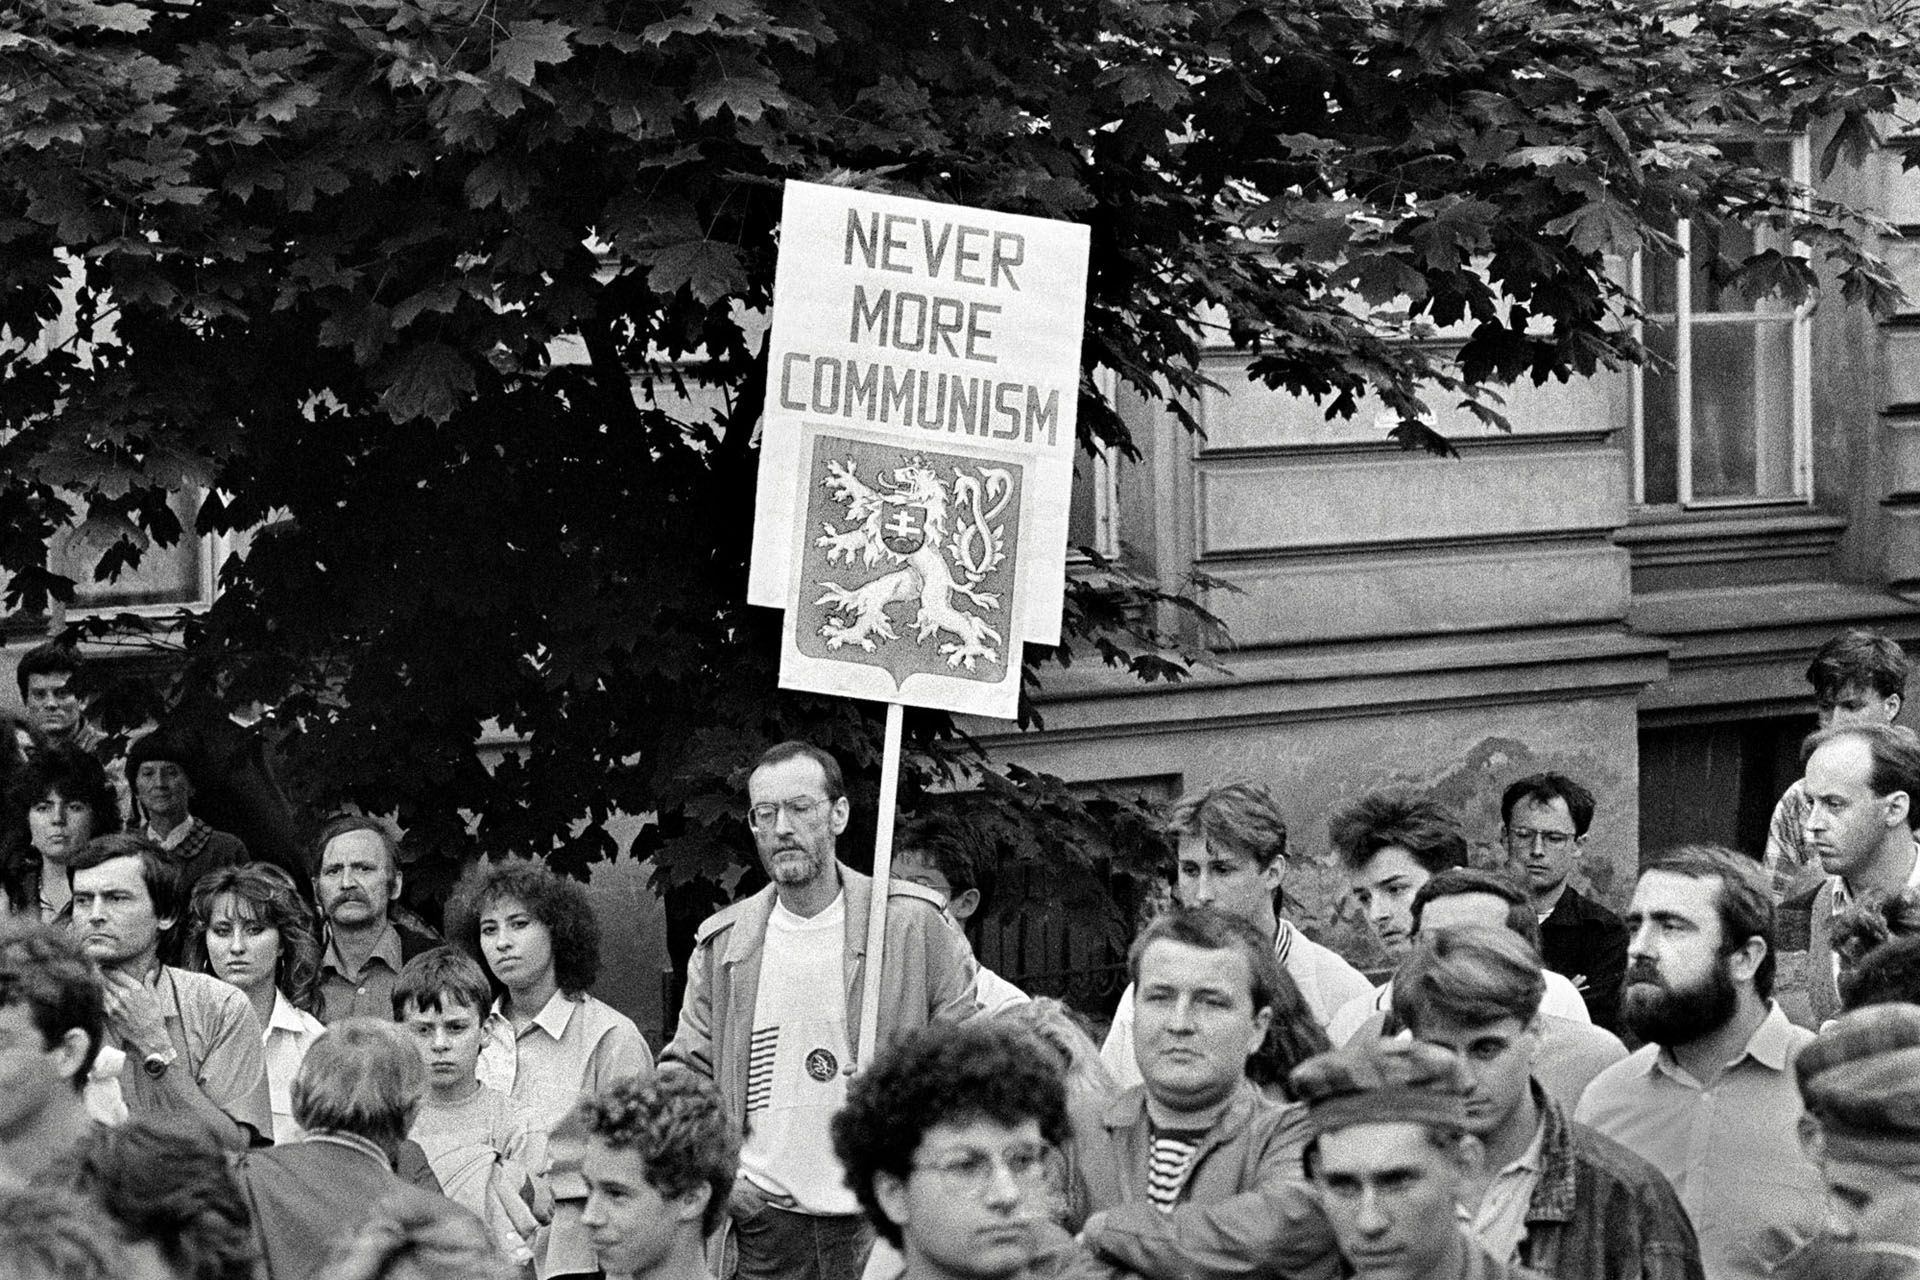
156 1064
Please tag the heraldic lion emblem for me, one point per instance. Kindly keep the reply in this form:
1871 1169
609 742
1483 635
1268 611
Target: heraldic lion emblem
938 542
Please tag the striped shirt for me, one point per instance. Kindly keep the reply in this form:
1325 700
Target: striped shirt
1169 1161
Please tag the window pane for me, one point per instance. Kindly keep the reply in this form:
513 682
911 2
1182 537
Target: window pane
1082 529
1660 421
167 575
1658 275
1743 410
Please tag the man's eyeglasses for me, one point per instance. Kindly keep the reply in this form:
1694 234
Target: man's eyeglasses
1026 1163
1555 840
762 816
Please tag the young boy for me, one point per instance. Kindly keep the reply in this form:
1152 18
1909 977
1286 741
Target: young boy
659 1166
929 852
479 1146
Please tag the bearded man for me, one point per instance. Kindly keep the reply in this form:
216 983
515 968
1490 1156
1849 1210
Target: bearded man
1711 1099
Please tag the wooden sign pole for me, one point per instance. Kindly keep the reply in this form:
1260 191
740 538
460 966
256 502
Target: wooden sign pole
882 878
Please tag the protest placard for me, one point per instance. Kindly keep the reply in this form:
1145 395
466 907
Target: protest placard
917 446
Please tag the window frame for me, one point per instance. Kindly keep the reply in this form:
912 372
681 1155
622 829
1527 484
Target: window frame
1800 330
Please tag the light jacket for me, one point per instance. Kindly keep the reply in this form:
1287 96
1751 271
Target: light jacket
1255 1143
1598 1212
927 976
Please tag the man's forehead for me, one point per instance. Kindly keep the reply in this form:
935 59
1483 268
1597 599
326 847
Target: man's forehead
1392 863
1195 847
1549 815
604 1162
114 873
1437 1028
1170 962
1844 761
793 776
1485 910
355 846
1398 1146
55 681
1673 894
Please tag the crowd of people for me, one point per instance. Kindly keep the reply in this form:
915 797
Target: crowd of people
214 1067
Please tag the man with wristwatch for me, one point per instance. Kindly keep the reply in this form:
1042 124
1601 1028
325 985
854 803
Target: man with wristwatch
192 1042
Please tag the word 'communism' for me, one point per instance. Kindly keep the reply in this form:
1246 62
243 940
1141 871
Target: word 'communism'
921 321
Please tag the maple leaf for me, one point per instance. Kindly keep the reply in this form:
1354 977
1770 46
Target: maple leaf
428 381
740 86
709 269
1599 226
528 44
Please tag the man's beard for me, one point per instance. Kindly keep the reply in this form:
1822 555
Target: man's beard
1677 1015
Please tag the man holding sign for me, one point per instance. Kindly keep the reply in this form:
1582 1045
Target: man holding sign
772 1009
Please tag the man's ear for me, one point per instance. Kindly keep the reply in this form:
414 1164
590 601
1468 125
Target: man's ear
1744 960
841 812
1271 873
891 1192
1262 1019
691 1205
69 1052
961 906
393 885
1899 803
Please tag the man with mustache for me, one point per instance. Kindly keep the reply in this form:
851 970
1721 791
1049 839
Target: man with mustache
772 1008
1860 785
356 880
1710 1100
1544 821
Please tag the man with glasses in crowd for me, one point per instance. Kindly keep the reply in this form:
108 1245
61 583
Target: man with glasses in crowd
772 1009
950 1141
1544 820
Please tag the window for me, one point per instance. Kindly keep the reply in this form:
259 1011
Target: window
1722 414
1093 508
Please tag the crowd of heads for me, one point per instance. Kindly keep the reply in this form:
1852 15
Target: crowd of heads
959 1141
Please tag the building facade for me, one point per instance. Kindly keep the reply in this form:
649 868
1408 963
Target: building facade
1627 587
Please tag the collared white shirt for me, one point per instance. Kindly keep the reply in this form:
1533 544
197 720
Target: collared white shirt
1500 1221
575 1046
1731 1150
289 1033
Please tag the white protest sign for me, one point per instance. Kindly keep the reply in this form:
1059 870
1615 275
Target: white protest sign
916 455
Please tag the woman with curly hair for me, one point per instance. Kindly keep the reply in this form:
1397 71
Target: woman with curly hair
546 1040
256 933
58 802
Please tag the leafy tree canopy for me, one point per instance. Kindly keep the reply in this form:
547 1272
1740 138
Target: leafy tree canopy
382 277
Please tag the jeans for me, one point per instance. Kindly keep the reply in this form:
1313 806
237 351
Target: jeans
778 1244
